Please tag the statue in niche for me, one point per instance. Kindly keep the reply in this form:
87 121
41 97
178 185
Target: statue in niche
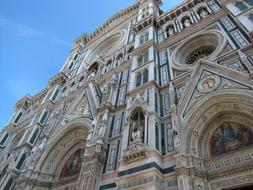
187 22
103 123
105 93
92 71
170 31
114 79
107 89
203 13
91 75
105 117
137 133
137 127
122 96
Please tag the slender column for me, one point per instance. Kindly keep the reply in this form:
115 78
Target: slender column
146 129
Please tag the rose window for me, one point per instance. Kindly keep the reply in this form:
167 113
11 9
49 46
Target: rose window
200 53
207 45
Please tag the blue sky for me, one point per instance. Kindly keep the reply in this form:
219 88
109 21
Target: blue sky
36 37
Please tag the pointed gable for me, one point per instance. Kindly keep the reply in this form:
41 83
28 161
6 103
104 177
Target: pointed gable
207 78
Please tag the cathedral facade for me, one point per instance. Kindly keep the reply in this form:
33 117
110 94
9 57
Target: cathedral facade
151 100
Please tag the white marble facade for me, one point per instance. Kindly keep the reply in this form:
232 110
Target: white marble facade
150 100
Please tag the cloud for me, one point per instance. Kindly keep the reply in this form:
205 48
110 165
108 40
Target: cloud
28 32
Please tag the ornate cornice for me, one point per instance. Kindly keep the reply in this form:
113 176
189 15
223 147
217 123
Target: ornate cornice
107 25
191 30
59 78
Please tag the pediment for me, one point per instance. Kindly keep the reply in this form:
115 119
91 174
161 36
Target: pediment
140 101
207 78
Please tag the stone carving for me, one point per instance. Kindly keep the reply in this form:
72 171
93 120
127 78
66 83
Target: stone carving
203 13
187 22
171 31
105 93
209 83
103 124
137 133
114 79
136 150
36 153
122 96
91 74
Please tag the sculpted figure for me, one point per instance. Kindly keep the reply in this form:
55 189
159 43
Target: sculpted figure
187 22
36 153
137 133
203 13
122 97
114 79
171 31
105 117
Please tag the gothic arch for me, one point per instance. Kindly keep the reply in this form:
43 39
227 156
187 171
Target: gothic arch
65 158
105 46
215 108
68 139
14 141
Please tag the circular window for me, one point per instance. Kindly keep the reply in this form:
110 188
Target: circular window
207 45
200 53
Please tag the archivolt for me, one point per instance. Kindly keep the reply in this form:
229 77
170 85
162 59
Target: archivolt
69 139
213 108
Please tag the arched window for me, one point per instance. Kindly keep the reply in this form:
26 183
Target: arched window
35 135
4 139
55 94
76 56
18 118
145 76
138 79
9 184
44 117
21 161
70 65
94 68
120 56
